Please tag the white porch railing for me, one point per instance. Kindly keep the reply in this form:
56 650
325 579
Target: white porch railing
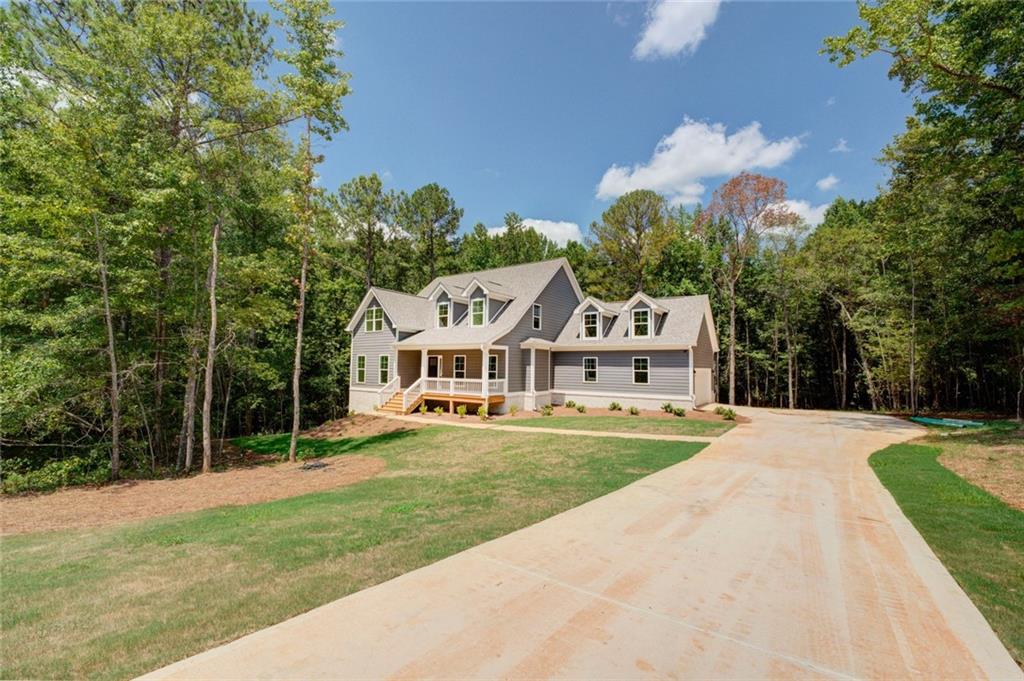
463 386
411 394
388 391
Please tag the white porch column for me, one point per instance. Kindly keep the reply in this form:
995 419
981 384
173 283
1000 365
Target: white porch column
533 379
423 366
484 366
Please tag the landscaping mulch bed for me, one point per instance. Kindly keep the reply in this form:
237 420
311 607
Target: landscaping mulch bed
132 500
358 425
692 414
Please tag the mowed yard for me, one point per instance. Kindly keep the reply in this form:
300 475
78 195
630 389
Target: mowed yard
113 602
964 492
630 424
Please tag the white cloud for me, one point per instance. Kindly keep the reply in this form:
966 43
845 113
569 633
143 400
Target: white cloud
812 215
827 182
561 232
830 101
841 146
693 151
675 27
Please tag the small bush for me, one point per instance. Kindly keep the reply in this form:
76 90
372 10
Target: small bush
423 408
633 411
513 409
438 410
726 413
547 410
570 404
461 411
679 411
18 476
482 412
614 406
667 407
581 408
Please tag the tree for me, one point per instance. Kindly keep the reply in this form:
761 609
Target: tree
431 217
746 206
366 213
316 89
632 235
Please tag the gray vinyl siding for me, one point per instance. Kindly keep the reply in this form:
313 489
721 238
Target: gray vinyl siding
703 355
373 344
543 369
408 366
559 300
493 308
669 372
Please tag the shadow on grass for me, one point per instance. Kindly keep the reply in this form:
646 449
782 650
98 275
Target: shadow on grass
309 448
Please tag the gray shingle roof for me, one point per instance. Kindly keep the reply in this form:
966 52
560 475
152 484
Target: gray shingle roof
523 282
405 310
679 326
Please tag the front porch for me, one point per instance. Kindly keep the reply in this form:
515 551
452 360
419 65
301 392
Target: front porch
447 377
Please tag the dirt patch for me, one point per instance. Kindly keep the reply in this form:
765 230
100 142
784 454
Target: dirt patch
691 414
129 501
997 469
358 425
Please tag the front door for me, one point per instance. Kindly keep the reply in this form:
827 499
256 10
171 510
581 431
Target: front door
433 366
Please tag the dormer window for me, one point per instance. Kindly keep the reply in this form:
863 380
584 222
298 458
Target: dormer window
641 323
591 324
477 317
374 319
443 314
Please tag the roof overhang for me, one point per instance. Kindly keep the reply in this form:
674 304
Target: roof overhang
591 300
537 344
641 296
601 347
370 295
488 291
455 296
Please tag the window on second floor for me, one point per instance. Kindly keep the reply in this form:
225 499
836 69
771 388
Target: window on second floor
374 319
537 311
443 314
591 324
641 323
477 315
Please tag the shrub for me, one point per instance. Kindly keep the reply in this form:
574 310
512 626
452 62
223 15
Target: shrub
726 413
633 411
547 410
614 406
482 412
423 408
570 404
75 470
461 411
679 411
513 409
667 407
439 410
581 408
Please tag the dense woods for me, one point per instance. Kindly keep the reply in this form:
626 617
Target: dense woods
173 274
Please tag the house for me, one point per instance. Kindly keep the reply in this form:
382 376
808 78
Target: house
527 336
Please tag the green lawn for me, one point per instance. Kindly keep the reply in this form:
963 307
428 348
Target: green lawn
116 602
979 538
629 424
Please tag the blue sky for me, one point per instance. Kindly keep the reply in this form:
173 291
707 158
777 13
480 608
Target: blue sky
552 109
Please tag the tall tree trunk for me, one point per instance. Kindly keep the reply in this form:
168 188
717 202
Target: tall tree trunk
224 413
732 342
913 339
163 263
300 318
845 371
789 366
211 351
115 388
186 445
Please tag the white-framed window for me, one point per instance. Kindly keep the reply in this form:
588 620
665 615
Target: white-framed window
459 366
384 369
360 368
538 310
492 367
591 324
443 314
374 319
477 315
641 370
641 323
590 369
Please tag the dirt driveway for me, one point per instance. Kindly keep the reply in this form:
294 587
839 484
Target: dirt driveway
775 552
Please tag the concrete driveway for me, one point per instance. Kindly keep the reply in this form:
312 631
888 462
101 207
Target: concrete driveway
775 552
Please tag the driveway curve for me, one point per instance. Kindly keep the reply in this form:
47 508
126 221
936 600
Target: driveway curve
775 552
